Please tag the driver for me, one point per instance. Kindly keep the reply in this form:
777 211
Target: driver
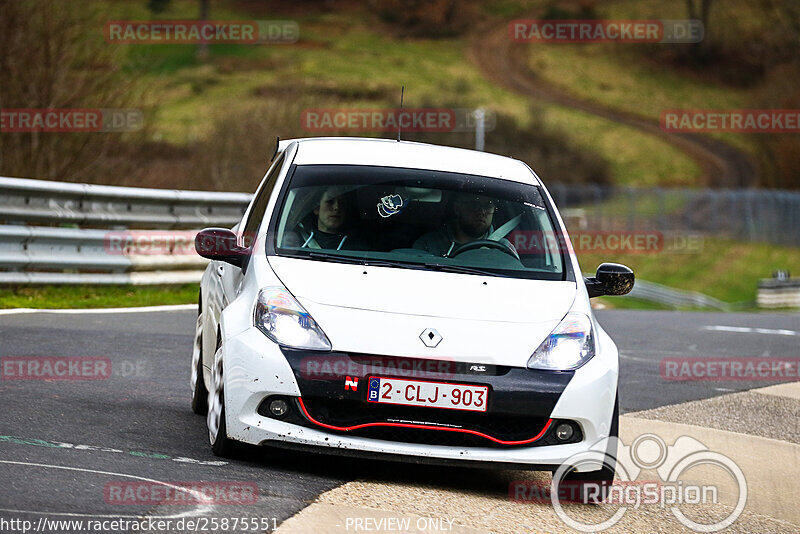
471 220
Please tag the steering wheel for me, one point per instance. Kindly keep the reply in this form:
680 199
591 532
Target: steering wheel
480 243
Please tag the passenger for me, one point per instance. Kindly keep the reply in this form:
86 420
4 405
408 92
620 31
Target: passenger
330 229
471 220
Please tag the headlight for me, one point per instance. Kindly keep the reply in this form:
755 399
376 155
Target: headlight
569 345
284 321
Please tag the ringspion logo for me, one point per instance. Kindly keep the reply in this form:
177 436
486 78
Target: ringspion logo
675 488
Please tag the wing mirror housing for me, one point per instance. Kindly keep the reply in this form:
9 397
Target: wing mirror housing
220 244
611 279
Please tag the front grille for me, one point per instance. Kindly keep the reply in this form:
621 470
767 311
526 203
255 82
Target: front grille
345 413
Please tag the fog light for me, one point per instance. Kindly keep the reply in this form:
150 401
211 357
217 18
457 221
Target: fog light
278 407
564 431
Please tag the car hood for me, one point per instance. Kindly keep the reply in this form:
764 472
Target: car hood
384 310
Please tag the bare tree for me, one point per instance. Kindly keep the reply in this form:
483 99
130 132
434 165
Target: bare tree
202 47
159 6
54 56
705 10
698 50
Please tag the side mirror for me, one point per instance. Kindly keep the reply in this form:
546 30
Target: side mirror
611 279
220 244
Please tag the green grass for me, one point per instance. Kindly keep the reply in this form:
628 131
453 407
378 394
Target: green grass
334 53
620 76
635 158
343 52
630 303
726 270
122 296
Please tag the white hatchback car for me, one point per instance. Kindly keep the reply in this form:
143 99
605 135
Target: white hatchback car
404 301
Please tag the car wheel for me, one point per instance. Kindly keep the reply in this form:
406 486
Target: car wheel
198 384
577 483
221 444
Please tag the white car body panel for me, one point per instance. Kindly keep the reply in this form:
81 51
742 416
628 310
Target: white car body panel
491 320
405 154
488 319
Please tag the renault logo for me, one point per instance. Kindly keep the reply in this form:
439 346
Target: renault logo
430 337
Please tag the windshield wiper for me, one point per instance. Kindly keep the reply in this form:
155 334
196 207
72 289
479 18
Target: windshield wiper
461 269
336 257
324 256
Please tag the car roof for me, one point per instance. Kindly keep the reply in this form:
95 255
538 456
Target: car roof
406 154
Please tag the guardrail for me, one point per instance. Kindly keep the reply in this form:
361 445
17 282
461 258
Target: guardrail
779 293
31 254
669 296
759 215
676 298
24 201
40 254
137 279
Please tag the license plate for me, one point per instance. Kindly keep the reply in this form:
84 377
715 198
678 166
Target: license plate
431 394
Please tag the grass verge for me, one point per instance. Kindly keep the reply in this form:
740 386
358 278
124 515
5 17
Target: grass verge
623 77
114 296
724 269
350 60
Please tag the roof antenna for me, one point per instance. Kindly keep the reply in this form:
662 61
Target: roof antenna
402 90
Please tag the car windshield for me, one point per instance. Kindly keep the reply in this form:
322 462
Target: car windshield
418 219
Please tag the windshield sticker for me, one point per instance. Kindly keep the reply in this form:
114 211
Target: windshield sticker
390 205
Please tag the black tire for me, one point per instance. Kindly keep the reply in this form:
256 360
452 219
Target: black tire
222 445
200 393
577 484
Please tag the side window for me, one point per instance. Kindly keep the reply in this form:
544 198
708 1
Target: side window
256 214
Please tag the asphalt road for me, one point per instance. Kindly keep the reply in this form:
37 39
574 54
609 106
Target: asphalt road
63 443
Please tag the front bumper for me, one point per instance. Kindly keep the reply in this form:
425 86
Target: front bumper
256 368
